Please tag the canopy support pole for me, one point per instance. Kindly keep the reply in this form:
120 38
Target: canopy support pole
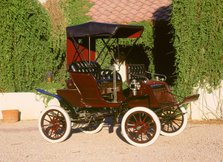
89 49
114 85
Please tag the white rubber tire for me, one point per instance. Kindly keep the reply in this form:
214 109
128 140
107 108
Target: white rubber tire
67 120
170 134
152 115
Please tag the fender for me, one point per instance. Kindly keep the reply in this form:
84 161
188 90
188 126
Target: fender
189 99
49 94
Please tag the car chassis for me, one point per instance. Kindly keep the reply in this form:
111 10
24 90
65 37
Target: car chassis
95 95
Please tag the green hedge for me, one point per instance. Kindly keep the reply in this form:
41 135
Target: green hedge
75 11
28 49
24 45
198 40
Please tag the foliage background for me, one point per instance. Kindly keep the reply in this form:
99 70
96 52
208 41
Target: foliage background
25 56
32 42
198 35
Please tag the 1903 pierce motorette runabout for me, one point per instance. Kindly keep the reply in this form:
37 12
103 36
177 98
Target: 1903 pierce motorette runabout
94 94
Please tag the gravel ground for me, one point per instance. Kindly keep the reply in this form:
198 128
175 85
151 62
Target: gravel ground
22 142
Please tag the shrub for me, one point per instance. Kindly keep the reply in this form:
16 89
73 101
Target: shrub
24 44
198 43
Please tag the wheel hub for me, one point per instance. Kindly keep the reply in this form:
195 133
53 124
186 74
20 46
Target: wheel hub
55 124
141 127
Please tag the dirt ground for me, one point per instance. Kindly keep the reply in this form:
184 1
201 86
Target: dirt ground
199 142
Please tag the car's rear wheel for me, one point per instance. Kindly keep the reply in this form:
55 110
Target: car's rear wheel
140 126
173 121
54 124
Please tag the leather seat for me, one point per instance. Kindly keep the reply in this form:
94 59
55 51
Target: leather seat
94 68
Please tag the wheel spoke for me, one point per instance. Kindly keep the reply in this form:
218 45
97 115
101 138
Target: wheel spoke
50 117
131 125
168 127
134 118
47 121
46 125
51 132
140 117
149 123
178 119
131 122
173 128
141 137
53 124
172 121
144 119
176 123
140 131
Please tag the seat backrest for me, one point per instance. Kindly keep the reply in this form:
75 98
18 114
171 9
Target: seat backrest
86 67
95 69
107 76
83 66
135 71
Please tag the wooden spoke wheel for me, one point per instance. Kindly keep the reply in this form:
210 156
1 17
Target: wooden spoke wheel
140 126
173 121
54 124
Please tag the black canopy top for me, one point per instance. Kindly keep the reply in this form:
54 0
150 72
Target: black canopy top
104 30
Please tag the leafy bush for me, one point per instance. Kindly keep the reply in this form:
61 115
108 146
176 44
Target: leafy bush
58 40
198 43
24 44
75 11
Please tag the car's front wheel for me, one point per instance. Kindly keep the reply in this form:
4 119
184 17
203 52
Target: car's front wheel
140 126
54 124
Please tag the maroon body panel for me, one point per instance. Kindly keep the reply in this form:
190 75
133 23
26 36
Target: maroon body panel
71 96
89 90
159 94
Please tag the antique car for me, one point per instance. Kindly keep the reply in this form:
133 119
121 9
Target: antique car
94 96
